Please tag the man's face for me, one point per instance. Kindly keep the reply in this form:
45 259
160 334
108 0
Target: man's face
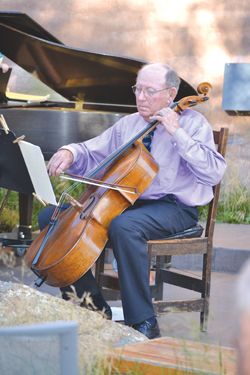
148 81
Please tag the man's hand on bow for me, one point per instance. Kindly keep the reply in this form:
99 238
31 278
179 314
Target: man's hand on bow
59 162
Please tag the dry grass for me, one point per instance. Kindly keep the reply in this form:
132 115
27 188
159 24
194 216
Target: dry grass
20 304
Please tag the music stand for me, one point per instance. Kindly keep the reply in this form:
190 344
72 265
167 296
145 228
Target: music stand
14 176
22 169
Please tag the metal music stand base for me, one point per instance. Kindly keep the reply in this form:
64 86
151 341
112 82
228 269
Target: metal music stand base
13 240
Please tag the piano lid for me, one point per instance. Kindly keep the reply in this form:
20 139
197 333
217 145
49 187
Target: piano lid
74 73
23 22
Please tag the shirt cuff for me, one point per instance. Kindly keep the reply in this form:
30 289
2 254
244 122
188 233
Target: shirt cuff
72 150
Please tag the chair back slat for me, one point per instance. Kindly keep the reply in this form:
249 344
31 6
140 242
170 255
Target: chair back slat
220 139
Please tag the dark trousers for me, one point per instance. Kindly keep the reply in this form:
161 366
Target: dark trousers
128 236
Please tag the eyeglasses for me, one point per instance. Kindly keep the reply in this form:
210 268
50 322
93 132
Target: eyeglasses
147 91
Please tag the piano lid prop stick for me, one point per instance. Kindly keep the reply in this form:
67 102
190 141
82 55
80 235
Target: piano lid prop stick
44 203
4 124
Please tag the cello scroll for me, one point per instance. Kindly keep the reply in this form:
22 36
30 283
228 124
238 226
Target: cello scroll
191 101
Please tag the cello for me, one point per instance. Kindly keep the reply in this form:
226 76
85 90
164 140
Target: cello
69 246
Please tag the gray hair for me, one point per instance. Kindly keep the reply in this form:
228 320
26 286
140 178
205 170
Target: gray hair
171 77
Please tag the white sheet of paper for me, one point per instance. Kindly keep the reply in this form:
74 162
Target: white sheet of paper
35 164
117 314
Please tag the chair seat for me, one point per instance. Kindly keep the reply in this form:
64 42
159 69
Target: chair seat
193 232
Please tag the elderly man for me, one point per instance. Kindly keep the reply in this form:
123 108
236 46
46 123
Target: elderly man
189 166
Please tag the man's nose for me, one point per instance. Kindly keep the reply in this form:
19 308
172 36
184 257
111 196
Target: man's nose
141 95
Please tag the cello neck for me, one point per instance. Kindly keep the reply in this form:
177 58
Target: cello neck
114 155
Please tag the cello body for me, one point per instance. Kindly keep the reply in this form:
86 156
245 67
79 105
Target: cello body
80 233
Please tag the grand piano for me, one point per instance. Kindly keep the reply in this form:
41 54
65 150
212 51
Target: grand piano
93 91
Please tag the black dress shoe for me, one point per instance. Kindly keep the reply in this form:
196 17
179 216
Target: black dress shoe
148 328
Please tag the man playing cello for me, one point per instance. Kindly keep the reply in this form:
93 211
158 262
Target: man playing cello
189 166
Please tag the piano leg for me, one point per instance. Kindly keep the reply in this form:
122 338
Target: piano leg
25 217
22 239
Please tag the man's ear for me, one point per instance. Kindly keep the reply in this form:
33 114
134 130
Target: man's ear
173 92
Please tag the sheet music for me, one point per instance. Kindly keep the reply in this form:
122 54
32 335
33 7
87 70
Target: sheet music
35 164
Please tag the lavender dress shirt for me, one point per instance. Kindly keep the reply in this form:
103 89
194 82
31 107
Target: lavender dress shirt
189 164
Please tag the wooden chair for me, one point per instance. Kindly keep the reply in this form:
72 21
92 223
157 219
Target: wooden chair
161 251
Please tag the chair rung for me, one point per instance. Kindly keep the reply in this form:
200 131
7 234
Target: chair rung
109 281
111 294
182 281
162 307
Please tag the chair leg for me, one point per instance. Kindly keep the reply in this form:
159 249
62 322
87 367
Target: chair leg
204 316
167 261
99 267
206 277
157 263
158 290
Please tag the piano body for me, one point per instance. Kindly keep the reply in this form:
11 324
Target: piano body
94 91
